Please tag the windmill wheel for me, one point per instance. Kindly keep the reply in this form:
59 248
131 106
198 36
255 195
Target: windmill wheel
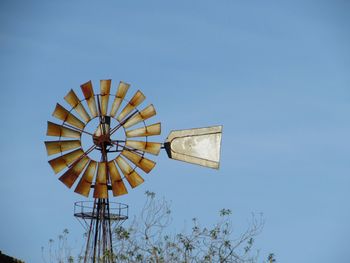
104 160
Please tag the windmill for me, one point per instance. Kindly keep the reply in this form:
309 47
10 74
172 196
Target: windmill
108 145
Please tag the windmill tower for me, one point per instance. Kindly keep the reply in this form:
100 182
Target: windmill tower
107 145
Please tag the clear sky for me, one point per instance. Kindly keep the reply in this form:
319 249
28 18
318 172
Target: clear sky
274 73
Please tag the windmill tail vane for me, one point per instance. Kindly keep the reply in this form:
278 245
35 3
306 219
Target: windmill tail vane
103 141
198 146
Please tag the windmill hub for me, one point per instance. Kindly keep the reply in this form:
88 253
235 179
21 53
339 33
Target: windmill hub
102 141
102 137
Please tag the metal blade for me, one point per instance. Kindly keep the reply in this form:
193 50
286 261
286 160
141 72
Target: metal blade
90 97
133 178
72 174
118 187
105 87
121 92
150 130
73 100
136 100
85 182
53 147
145 164
198 146
150 147
54 129
143 115
64 115
101 190
61 162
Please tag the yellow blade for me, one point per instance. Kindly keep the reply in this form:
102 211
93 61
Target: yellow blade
143 115
105 86
121 92
71 175
150 147
118 187
73 100
145 164
150 130
54 129
90 97
101 190
136 100
64 115
85 182
61 162
53 147
133 178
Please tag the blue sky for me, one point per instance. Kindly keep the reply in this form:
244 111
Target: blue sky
274 73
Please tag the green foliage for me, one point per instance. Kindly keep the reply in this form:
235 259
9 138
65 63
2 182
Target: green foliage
58 250
146 240
271 258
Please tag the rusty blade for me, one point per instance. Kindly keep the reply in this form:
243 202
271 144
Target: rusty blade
120 95
53 147
145 164
136 100
85 182
143 115
62 114
54 129
73 100
72 174
133 178
150 130
149 147
105 87
89 95
118 187
61 162
101 190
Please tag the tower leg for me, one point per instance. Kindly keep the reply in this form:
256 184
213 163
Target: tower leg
99 245
100 217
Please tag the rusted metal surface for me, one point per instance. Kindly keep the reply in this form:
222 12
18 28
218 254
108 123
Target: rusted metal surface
118 187
198 146
143 115
54 129
72 99
121 92
136 100
85 182
149 147
100 190
133 178
72 174
143 163
62 114
89 95
53 147
150 130
62 162
105 87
